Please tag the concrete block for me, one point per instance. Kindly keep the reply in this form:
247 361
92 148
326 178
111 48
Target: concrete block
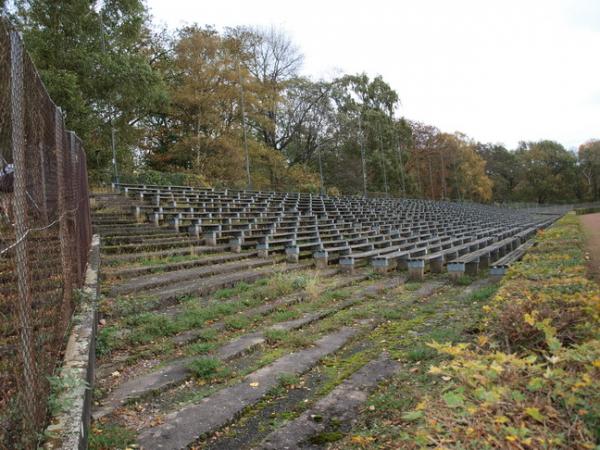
456 270
496 273
194 231
262 249
321 258
210 238
292 254
381 265
416 270
235 244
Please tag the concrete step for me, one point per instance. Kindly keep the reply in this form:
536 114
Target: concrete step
340 407
184 427
146 282
195 250
136 271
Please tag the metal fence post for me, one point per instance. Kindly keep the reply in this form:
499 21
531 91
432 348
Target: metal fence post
62 214
29 379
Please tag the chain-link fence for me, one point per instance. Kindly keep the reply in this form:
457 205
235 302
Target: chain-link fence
45 232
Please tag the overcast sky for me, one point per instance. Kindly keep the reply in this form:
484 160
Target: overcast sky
499 71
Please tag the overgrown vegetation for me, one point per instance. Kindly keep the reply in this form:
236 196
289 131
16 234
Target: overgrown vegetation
531 378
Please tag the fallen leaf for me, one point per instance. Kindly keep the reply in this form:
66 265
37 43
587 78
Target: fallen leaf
254 384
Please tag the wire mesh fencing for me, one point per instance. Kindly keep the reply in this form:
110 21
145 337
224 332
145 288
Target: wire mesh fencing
45 231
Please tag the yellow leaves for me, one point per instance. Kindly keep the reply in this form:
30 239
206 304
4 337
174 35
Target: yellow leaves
529 318
448 349
596 363
433 370
363 441
421 405
482 340
496 368
501 419
535 414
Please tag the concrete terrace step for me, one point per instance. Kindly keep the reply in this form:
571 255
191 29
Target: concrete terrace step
146 282
343 405
135 238
191 335
195 250
133 231
176 372
205 287
149 245
185 426
130 272
266 308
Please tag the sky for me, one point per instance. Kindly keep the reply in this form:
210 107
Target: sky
499 71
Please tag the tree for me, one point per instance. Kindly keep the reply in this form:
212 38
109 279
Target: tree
589 164
94 63
502 167
548 172
273 62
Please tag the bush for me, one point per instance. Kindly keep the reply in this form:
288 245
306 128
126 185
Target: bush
592 210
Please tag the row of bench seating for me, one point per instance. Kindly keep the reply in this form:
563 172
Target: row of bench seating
386 233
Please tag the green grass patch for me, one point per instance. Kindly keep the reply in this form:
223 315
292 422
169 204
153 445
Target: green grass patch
106 340
237 322
110 437
464 280
207 368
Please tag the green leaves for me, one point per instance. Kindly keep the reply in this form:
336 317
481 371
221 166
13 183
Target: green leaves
535 414
454 399
411 416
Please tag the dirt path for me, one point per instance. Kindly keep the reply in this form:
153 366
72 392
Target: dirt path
591 227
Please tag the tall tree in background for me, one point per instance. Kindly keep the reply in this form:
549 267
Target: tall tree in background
589 164
548 172
502 168
94 62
